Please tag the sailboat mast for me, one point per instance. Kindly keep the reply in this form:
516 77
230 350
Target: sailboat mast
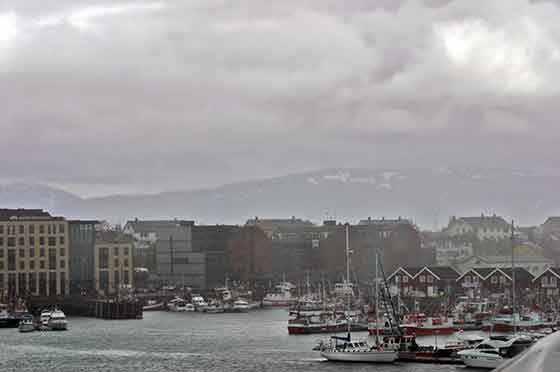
347 279
376 303
513 276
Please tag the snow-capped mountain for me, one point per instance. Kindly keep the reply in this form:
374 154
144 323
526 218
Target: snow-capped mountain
427 196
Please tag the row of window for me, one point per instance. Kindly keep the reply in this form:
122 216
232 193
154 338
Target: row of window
31 251
42 265
50 229
11 241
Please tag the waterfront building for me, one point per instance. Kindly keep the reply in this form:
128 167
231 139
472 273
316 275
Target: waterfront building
530 261
269 225
250 255
177 261
483 227
547 285
113 262
34 252
82 263
427 281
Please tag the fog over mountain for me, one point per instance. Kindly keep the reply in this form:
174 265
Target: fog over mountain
427 196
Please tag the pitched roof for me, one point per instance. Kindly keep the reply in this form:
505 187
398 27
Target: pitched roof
520 273
552 220
409 271
481 272
443 272
553 270
21 214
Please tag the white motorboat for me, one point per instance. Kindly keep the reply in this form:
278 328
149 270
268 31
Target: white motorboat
26 324
199 304
177 305
495 351
240 306
44 318
214 309
57 321
153 305
189 308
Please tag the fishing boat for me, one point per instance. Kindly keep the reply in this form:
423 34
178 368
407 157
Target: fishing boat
419 324
281 297
199 303
57 321
344 349
26 324
495 351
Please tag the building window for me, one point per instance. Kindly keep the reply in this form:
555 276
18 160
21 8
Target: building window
41 229
1 252
502 280
11 241
31 240
32 229
21 253
405 279
62 264
31 252
553 281
52 241
61 240
126 262
1 241
31 265
22 265
116 262
430 279
103 258
54 229
61 228
41 240
41 252
21 229
494 280
49 229
52 259
41 264
422 279
125 277
62 252
116 251
21 240
125 251
1 229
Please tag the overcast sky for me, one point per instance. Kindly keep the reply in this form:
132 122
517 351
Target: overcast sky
111 96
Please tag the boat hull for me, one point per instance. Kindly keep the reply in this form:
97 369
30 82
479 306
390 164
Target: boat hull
154 307
482 362
360 356
316 328
9 323
425 331
58 326
27 327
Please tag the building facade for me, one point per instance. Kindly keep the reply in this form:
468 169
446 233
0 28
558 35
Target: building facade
82 261
34 251
113 262
483 227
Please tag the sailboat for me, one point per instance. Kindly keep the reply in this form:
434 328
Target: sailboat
344 349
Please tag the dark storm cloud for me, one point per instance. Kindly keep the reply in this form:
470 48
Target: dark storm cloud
193 93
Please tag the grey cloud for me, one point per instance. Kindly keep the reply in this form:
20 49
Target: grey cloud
203 92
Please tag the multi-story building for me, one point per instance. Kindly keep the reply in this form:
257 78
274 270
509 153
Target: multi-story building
269 225
483 227
34 252
177 261
427 281
82 248
113 262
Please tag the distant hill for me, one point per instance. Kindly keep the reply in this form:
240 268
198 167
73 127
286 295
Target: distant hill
427 196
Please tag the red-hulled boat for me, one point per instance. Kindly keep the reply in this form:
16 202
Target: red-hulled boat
420 324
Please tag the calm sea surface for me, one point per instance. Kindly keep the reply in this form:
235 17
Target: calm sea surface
164 341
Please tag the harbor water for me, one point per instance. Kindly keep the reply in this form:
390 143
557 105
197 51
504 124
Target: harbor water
164 341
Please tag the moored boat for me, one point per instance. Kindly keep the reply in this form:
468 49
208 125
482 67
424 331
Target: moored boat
495 351
240 306
153 305
421 325
7 320
177 305
281 297
57 321
26 324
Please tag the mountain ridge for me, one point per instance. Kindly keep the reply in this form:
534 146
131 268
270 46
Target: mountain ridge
427 196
